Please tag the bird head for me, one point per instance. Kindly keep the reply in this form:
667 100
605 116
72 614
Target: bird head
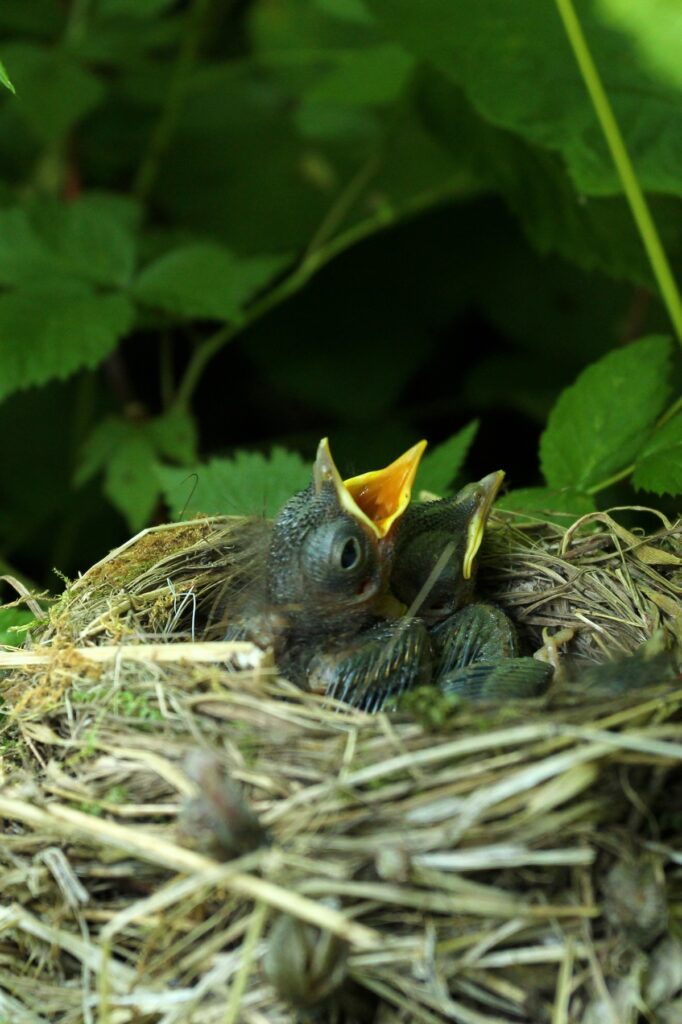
331 545
437 546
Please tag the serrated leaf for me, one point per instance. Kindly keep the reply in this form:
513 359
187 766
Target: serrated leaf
53 91
55 329
174 435
90 238
205 280
547 504
109 435
24 257
439 467
597 232
659 465
5 79
130 480
248 484
601 422
517 68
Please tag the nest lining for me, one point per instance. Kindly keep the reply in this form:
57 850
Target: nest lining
519 864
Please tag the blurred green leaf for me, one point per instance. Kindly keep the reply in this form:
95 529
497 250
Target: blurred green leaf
659 464
134 8
10 619
205 280
128 453
53 329
346 10
439 467
89 238
53 91
592 231
5 79
39 17
601 422
518 70
547 504
109 435
130 480
248 484
175 435
655 27
364 77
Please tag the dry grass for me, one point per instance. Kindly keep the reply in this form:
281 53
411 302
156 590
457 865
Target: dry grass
520 864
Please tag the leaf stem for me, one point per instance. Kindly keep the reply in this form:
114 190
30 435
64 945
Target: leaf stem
294 282
626 172
165 126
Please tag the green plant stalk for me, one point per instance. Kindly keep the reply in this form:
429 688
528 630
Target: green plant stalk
251 939
291 284
626 172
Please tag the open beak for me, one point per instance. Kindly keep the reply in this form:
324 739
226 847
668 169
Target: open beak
378 498
483 494
384 494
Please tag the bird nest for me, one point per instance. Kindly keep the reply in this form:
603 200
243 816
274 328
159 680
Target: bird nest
189 839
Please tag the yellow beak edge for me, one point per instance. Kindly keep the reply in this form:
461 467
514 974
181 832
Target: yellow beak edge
378 498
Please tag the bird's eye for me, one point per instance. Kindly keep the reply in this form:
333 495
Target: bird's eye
351 553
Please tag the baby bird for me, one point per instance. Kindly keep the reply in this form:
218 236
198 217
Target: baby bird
329 561
442 638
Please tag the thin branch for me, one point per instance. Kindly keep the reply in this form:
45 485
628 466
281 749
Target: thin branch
621 158
292 284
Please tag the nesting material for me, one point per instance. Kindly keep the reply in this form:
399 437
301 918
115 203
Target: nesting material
189 839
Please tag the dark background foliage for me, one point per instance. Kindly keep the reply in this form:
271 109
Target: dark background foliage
230 228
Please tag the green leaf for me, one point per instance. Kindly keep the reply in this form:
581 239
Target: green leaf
174 436
54 93
133 8
364 77
655 27
128 453
514 62
130 480
55 329
248 484
346 10
546 504
659 465
439 467
110 434
5 79
10 620
205 280
90 238
594 232
24 257
601 422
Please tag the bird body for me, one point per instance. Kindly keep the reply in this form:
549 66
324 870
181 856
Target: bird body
366 596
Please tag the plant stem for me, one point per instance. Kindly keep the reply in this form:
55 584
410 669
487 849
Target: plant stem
165 126
293 283
603 484
251 939
626 172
